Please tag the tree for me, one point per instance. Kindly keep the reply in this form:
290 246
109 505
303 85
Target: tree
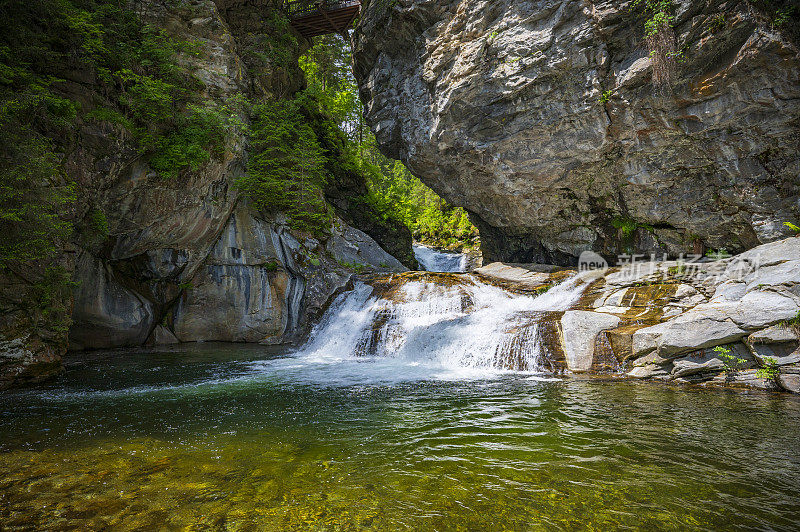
286 170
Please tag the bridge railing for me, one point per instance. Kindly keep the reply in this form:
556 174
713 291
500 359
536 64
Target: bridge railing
300 8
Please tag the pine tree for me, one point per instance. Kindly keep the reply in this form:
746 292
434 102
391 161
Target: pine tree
286 170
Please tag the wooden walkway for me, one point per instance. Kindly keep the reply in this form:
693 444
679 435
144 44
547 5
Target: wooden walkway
319 17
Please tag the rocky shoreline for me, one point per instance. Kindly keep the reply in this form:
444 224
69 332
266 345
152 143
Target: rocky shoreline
729 322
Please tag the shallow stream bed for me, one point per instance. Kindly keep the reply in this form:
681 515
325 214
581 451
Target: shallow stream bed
240 438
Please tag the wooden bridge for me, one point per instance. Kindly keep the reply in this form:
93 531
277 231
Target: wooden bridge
318 17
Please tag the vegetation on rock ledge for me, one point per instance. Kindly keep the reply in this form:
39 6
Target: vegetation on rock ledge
392 190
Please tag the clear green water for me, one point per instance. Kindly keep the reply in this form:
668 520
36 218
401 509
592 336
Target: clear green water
204 438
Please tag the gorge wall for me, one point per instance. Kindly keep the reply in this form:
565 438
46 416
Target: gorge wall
164 259
541 119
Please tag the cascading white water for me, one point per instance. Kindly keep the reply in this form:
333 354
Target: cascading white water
432 260
438 324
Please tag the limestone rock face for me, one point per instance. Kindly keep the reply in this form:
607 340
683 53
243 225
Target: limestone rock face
207 265
497 106
241 292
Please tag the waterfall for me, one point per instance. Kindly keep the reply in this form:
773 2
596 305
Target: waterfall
432 260
435 322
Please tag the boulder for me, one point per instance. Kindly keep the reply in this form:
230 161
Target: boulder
717 322
648 371
351 246
765 355
773 335
709 361
684 367
579 329
521 277
162 336
759 308
688 332
790 381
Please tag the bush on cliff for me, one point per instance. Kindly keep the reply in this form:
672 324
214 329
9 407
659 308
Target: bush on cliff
286 168
62 63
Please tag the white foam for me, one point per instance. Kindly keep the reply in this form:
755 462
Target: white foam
432 260
428 330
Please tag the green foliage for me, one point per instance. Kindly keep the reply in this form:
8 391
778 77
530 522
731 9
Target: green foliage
33 195
718 254
286 169
606 97
50 294
150 94
659 19
660 38
659 14
175 132
137 69
716 23
542 290
784 15
356 267
731 364
770 370
793 322
50 49
330 82
677 271
627 226
33 189
279 44
99 222
792 226
271 54
394 193
431 220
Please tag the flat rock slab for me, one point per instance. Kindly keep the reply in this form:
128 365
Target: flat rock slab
684 368
520 276
773 335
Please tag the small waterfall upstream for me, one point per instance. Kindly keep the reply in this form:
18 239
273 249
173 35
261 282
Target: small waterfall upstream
438 322
432 260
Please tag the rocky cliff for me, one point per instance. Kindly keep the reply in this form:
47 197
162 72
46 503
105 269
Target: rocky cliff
541 118
188 258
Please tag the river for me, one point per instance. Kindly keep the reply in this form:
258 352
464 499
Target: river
433 260
401 413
